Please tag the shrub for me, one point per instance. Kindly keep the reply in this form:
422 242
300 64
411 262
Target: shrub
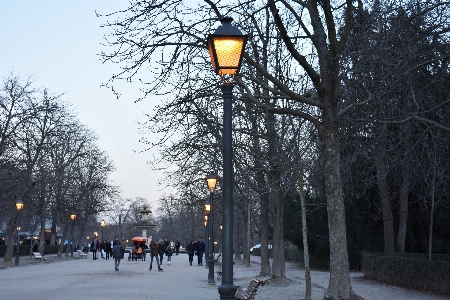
408 270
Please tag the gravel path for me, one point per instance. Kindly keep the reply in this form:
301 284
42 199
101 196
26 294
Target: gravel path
67 278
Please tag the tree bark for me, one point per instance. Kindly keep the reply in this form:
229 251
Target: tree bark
10 237
53 234
305 238
63 238
404 201
383 188
246 234
237 237
265 262
274 177
339 286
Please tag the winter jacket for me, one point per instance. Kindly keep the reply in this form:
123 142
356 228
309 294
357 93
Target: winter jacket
153 248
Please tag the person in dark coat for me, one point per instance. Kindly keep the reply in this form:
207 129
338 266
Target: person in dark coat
177 247
161 251
200 248
154 252
108 248
95 246
117 254
169 252
190 250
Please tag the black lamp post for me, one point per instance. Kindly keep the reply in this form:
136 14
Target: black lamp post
72 217
19 206
102 223
226 47
211 181
206 235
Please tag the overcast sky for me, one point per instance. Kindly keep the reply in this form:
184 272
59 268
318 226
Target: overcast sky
57 41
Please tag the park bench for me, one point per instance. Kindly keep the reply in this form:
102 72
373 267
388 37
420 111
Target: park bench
216 258
219 274
81 254
38 257
250 292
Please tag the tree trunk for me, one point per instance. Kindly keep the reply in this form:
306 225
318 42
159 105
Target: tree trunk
63 238
10 237
340 286
265 262
53 234
237 237
42 234
404 201
305 238
383 188
276 199
430 241
246 235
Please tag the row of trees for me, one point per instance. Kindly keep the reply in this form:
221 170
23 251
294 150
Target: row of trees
50 161
349 95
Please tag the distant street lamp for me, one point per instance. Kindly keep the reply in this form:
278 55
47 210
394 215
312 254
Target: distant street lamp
19 206
211 181
102 223
72 217
225 48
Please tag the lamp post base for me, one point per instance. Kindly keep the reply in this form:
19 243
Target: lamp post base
227 291
211 270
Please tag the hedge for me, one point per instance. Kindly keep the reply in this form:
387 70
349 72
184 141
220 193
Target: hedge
409 270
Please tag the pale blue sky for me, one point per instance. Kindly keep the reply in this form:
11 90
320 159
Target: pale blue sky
57 41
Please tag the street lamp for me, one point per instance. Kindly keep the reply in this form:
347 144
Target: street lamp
72 217
211 181
102 223
19 206
225 48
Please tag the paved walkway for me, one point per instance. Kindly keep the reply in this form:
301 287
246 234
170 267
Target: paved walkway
74 278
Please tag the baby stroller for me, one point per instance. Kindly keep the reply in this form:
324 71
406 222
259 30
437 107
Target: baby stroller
138 251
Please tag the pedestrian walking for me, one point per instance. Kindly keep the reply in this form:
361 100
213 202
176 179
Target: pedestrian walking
177 247
200 248
190 250
169 253
161 251
95 245
108 248
117 254
102 248
123 243
154 253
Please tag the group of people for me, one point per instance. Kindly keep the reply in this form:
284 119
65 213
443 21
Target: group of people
105 247
196 248
116 249
158 249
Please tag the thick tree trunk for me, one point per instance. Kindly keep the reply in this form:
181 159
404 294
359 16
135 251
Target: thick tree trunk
10 237
404 201
278 265
42 234
265 262
53 234
339 286
276 198
246 235
383 188
237 237
63 238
